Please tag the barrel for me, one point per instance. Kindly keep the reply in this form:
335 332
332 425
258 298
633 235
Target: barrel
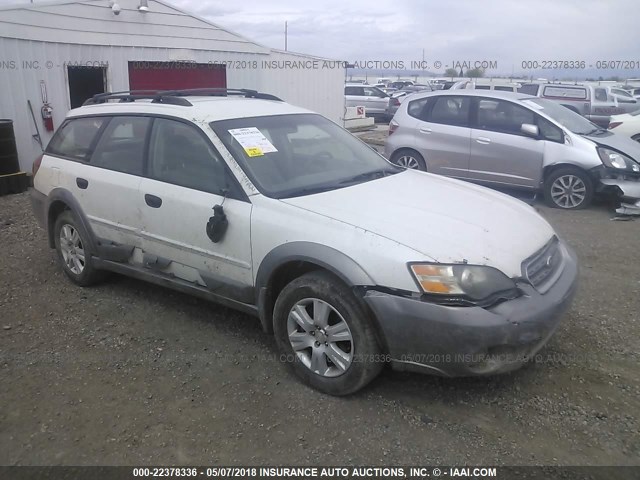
8 151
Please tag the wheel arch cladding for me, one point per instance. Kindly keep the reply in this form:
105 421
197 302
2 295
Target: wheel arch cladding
59 201
291 260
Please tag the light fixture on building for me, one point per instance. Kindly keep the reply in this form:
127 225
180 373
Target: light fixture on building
143 7
115 8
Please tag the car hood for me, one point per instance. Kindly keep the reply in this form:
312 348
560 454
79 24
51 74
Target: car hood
447 220
621 143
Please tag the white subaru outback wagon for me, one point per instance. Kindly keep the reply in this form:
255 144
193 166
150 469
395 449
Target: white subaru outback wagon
353 262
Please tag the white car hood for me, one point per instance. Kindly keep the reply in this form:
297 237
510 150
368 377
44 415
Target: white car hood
447 220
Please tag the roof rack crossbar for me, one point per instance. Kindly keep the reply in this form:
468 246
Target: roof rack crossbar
175 97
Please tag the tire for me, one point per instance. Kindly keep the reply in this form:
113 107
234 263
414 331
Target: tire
73 251
568 188
408 158
357 356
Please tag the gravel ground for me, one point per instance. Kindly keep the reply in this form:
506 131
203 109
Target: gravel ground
130 373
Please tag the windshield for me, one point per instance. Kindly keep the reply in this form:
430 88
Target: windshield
300 154
564 116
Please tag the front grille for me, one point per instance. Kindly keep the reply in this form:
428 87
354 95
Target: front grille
543 267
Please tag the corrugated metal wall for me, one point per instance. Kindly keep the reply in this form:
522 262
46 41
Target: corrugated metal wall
319 89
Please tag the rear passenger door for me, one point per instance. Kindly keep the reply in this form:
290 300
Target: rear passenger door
186 178
106 173
443 135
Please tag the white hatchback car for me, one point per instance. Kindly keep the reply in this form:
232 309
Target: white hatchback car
271 209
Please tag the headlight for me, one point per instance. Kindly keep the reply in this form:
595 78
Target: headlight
613 159
473 283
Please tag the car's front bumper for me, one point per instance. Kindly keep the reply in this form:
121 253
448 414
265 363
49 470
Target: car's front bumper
464 341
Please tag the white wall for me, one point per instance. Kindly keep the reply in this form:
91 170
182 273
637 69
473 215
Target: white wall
319 89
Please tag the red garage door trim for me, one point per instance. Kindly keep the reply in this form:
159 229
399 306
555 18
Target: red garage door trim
172 76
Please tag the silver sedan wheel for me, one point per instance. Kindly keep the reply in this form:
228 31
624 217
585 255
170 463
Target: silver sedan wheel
407 161
320 337
568 191
72 249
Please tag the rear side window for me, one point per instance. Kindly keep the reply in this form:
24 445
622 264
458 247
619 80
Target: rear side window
121 146
529 89
181 155
76 137
450 110
503 116
354 91
417 108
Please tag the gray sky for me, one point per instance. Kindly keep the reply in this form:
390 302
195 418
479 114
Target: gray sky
508 31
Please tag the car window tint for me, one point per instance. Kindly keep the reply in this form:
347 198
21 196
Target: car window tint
451 110
482 87
504 88
354 91
121 146
502 116
528 89
565 92
181 155
549 131
416 108
75 137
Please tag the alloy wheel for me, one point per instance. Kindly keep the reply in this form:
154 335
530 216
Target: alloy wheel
407 161
72 249
568 191
320 337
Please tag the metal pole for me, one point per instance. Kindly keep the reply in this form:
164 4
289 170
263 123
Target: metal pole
285 35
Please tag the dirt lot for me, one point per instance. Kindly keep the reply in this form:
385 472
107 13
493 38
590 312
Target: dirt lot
130 373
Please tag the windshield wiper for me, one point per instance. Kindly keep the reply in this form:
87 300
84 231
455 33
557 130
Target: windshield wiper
308 191
362 177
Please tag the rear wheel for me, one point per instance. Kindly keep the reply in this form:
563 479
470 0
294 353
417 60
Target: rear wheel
325 334
73 252
407 158
568 188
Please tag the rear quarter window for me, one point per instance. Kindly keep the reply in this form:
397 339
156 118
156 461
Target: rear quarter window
75 138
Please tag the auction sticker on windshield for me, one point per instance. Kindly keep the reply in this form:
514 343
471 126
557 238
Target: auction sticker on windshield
253 141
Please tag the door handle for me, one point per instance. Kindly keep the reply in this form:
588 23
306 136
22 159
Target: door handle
483 140
425 130
153 201
82 183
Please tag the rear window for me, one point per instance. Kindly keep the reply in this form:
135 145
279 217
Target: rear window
75 138
565 92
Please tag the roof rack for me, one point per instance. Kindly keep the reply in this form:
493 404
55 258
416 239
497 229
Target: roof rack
176 97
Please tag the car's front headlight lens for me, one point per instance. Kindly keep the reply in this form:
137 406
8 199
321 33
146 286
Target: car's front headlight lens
613 159
472 282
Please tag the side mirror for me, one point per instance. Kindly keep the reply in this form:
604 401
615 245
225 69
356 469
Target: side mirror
530 130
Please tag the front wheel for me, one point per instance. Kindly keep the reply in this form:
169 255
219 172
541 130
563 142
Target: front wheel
325 334
568 188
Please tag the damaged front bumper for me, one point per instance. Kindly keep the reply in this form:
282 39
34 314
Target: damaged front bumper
623 186
470 341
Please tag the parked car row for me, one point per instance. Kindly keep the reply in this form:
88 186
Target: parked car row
514 140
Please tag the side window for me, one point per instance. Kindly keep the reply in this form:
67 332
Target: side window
529 89
502 116
354 91
450 110
417 108
76 137
373 92
181 155
121 146
549 131
600 94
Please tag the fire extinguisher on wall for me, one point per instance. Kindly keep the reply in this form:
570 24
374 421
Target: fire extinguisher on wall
47 117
